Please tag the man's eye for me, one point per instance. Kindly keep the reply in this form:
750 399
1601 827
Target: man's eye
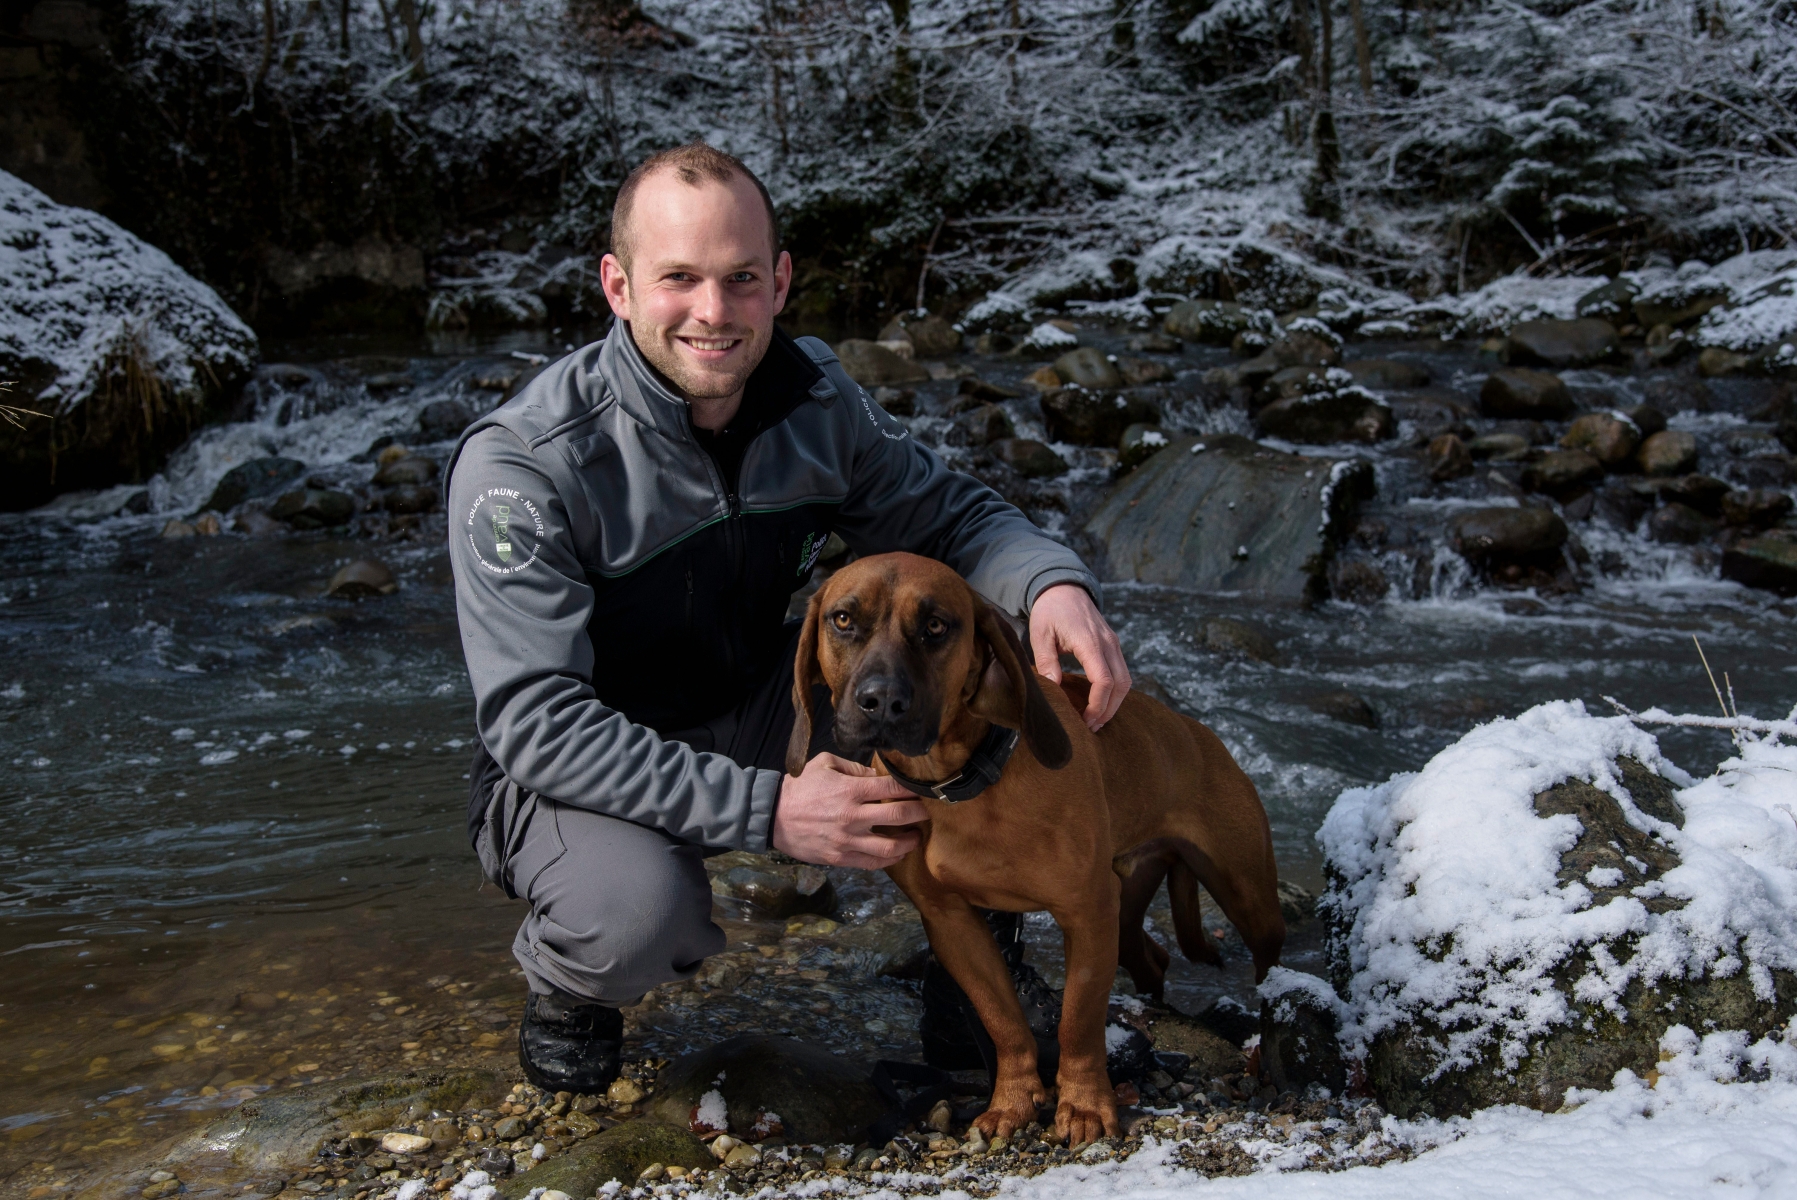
842 621
743 277
935 627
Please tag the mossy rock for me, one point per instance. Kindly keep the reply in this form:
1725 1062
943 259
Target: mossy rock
620 1153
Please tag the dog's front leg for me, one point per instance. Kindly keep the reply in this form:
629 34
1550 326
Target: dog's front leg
1088 1107
963 944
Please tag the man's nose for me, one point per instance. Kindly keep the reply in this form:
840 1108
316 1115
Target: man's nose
710 305
884 697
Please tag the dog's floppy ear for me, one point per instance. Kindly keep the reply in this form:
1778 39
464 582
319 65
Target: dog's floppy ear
805 675
1047 739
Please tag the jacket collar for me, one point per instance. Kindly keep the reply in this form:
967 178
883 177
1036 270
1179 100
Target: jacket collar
781 382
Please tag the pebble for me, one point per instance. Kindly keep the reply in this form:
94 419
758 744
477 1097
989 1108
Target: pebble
405 1143
624 1091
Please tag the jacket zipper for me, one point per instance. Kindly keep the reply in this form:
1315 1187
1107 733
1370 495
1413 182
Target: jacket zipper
733 531
689 599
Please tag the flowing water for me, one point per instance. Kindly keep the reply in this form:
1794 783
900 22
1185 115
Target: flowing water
235 855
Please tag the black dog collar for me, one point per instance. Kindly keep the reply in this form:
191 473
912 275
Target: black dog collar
980 771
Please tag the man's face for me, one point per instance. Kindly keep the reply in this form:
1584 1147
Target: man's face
703 286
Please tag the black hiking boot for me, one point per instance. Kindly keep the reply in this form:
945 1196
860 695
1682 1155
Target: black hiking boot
953 1037
567 1046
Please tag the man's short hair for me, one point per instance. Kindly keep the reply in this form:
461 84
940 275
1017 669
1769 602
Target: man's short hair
694 163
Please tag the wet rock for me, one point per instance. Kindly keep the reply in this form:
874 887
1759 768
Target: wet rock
622 1153
1679 524
1714 362
1507 535
1434 412
1702 492
979 389
1562 473
1648 419
900 402
1357 581
778 891
1669 452
1139 443
1768 561
993 342
1088 368
411 498
1519 392
1238 639
1292 381
444 420
207 524
982 424
1154 342
257 523
815 1096
363 578
1613 302
1226 514
406 469
1304 349
1215 322
405 1143
1348 414
1675 306
1139 371
1608 437
1029 458
1561 344
930 336
1386 373
873 365
1300 1028
175 529
1756 508
253 480
510 1129
892 944
1499 447
1043 379
1677 394
1449 458
1086 418
314 508
1345 707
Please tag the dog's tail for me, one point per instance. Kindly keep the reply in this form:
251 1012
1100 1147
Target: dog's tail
1188 917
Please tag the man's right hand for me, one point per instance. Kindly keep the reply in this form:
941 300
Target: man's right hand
827 815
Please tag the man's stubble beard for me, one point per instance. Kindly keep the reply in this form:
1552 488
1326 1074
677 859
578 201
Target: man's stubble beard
653 342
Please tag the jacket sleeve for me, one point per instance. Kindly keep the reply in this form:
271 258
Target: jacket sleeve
523 601
903 497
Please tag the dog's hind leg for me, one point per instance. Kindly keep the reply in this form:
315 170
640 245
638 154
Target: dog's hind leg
1188 917
1137 951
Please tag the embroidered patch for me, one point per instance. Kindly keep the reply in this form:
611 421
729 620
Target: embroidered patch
810 550
504 529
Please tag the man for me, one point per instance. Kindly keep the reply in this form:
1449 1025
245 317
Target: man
626 534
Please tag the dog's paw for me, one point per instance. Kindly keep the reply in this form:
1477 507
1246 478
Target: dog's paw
1010 1110
1079 1119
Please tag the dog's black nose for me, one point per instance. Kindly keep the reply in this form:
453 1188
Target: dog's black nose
884 697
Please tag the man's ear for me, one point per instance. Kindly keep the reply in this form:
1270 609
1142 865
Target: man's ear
1025 704
805 675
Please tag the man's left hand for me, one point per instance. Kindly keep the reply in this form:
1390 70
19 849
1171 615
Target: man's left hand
1065 621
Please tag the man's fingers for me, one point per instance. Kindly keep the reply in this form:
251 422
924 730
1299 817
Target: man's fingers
1048 655
844 766
894 813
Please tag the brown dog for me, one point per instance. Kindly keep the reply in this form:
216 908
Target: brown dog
1083 825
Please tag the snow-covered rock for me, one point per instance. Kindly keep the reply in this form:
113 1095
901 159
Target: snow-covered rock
1534 909
121 349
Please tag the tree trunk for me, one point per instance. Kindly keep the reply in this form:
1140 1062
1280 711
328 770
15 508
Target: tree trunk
1306 42
343 26
1363 49
408 17
268 43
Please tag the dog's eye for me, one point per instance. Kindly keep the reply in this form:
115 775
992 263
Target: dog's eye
935 627
842 621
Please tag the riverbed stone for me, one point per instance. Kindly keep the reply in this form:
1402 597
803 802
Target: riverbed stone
1768 561
1387 374
892 944
622 1153
1238 639
1304 349
1755 508
314 508
1679 524
1714 362
930 335
1140 442
1350 708
1088 418
1138 372
983 423
1669 452
1324 418
1561 344
809 1094
1702 492
873 365
1088 367
1357 581
1507 535
254 480
777 891
1499 447
1521 392
1449 458
1613 302
1224 513
1028 457
404 469
1608 437
363 578
1595 1042
1215 322
1562 473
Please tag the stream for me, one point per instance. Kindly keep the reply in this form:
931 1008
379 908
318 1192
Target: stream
236 856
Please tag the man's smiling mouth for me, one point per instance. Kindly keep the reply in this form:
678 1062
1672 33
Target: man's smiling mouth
712 344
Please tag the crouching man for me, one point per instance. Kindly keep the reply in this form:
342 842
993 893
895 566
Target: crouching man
626 534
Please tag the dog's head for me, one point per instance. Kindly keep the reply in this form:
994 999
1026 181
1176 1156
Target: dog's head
906 647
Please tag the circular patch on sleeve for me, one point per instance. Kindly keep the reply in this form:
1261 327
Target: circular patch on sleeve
504 530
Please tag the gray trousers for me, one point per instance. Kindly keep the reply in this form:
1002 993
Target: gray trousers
615 907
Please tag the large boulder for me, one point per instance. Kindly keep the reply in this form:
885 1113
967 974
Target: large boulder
1225 514
1610 437
253 480
1768 561
1540 905
1561 343
1328 415
1088 368
1489 536
873 365
754 1087
1562 473
121 351
1088 418
1516 392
